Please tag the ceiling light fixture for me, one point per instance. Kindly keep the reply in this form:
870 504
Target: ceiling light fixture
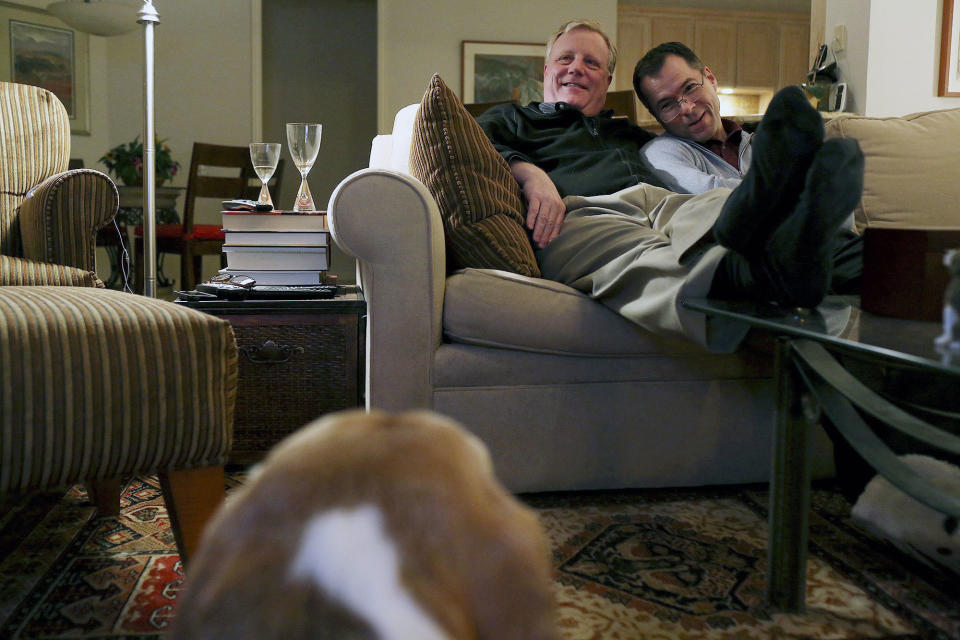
99 17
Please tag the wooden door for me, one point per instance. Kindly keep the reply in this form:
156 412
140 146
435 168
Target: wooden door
794 47
757 54
716 45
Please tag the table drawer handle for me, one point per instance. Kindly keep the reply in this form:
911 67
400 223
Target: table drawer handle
270 352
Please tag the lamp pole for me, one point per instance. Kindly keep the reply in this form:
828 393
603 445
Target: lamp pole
148 17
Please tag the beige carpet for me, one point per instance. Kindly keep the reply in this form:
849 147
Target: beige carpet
643 565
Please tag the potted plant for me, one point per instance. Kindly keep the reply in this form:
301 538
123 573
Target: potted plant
125 163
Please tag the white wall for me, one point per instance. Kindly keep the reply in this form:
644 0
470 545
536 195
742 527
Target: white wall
204 88
418 39
891 64
904 58
203 77
855 15
89 147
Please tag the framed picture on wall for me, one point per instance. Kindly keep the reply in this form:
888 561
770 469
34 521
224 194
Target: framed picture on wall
950 50
38 49
502 71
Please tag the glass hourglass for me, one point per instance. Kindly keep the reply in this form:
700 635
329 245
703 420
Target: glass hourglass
265 156
303 139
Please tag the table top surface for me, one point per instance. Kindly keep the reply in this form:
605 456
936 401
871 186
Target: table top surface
839 321
348 300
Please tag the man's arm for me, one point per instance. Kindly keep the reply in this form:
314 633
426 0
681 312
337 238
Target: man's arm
681 170
545 208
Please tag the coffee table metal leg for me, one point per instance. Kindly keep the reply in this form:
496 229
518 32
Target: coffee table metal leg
789 491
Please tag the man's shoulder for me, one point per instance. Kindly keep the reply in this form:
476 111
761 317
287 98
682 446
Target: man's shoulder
667 142
667 150
504 111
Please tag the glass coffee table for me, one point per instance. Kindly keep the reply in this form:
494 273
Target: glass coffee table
879 381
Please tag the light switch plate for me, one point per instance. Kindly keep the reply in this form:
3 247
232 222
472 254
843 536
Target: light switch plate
839 37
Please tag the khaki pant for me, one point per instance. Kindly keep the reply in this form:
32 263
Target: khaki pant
640 251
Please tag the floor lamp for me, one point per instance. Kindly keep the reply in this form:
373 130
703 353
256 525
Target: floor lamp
109 18
149 18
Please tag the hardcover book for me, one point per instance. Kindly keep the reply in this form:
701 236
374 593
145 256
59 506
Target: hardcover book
273 221
276 258
279 277
277 238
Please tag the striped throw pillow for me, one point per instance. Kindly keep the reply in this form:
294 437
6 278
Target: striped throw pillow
478 198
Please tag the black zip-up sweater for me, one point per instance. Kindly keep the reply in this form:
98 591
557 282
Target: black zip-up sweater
583 155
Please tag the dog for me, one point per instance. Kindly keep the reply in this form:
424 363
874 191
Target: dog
929 536
371 526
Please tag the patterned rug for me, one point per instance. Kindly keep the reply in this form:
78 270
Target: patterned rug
651 564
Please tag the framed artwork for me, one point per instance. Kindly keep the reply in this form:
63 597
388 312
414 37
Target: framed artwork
501 71
38 49
949 50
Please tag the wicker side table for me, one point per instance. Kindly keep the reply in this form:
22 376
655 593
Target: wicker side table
299 359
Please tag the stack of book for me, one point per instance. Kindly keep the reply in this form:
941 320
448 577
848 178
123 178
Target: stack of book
277 247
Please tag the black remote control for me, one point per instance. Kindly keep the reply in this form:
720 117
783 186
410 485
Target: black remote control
224 291
280 292
246 205
195 296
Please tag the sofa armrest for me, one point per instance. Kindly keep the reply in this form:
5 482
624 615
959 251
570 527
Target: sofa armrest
390 223
21 271
60 217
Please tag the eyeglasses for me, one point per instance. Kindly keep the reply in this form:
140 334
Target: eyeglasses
692 93
239 280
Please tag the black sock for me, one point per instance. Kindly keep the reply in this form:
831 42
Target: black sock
734 280
783 147
810 246
799 256
847 270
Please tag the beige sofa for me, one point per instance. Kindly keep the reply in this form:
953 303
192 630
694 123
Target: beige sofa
565 392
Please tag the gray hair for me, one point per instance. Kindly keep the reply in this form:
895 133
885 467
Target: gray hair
590 25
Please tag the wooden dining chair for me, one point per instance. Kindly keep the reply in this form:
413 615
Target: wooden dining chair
208 165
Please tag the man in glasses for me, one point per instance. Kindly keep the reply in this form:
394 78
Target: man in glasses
698 150
602 223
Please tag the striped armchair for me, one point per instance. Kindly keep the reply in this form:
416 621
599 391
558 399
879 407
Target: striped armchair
97 384
49 216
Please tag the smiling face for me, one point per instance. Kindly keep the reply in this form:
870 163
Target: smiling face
699 121
576 72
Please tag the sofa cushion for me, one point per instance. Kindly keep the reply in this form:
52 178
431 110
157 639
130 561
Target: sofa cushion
492 308
911 178
478 198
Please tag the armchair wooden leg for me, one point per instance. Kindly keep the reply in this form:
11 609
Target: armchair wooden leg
105 495
191 497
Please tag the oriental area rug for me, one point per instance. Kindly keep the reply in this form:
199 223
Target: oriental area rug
652 564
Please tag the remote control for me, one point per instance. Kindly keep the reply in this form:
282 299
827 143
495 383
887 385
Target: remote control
195 296
224 291
246 205
279 291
